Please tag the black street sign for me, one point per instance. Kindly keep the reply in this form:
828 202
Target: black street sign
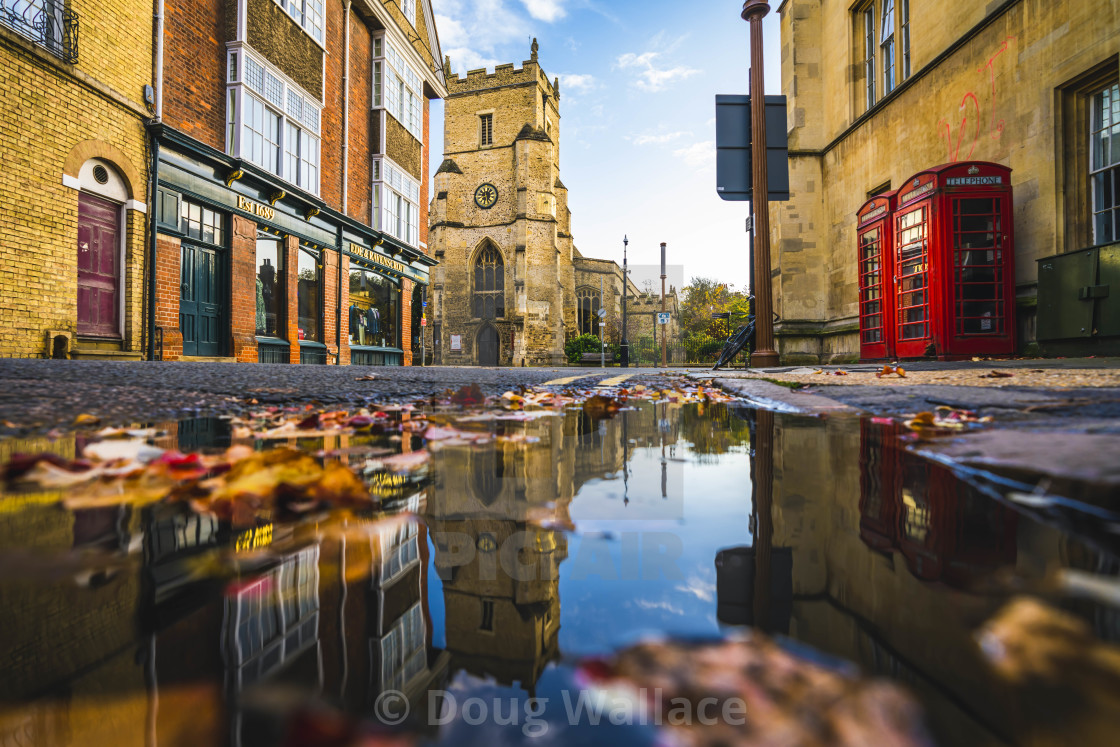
733 148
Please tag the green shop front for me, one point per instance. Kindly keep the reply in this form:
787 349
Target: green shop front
250 268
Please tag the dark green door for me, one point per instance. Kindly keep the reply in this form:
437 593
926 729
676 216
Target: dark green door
202 303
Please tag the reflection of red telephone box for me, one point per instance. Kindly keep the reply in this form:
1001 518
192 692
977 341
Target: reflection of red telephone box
954 263
876 272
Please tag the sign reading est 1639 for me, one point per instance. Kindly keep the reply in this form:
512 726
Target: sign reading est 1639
663 317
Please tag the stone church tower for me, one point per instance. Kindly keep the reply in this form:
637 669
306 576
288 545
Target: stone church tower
500 225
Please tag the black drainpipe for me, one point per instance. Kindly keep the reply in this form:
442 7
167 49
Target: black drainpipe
341 321
153 194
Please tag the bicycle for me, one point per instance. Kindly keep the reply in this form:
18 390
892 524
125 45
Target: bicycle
741 338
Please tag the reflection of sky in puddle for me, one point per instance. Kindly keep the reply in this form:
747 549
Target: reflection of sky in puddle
646 567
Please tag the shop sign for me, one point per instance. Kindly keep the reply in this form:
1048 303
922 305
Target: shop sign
255 208
254 539
400 268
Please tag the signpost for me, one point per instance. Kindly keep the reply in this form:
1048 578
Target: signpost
663 317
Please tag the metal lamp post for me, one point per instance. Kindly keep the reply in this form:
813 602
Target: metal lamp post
625 292
764 354
663 303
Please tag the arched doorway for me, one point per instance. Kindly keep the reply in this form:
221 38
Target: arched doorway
100 248
488 341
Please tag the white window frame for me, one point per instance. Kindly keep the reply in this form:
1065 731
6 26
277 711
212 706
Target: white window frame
396 202
309 15
398 87
408 7
887 47
1104 107
252 85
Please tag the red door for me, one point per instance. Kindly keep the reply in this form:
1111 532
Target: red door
98 271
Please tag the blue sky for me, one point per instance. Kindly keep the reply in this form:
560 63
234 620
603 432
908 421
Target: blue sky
637 132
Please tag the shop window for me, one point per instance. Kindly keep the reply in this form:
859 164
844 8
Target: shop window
271 123
1104 164
488 300
396 202
270 286
374 310
398 87
200 223
308 14
486 129
309 296
587 316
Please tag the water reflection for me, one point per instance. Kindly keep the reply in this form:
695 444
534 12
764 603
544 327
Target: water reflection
504 563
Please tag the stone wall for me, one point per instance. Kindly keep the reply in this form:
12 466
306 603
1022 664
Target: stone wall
993 95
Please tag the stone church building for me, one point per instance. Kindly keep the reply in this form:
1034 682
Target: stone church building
511 287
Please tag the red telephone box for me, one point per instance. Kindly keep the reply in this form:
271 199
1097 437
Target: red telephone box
874 232
954 263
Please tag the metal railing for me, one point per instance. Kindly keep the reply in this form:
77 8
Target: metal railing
48 23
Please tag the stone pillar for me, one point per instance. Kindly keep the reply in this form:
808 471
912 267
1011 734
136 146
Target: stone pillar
330 304
406 321
291 294
344 303
168 292
243 283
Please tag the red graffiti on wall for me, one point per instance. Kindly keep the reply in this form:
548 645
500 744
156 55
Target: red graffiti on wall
970 111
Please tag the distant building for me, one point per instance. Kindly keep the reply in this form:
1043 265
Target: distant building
75 180
512 287
879 90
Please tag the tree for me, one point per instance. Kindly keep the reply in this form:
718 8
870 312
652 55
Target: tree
702 298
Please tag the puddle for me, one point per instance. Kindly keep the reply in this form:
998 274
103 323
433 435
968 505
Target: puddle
474 599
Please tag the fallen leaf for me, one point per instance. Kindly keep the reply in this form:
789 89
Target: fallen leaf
599 407
996 375
86 419
888 370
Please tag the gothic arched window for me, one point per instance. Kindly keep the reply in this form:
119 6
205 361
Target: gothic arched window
489 298
587 300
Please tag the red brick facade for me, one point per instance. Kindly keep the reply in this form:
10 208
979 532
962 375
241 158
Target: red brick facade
194 104
243 282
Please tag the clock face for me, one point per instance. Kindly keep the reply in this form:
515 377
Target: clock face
485 196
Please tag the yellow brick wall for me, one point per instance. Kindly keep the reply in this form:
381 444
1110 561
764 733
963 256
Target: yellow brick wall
992 98
47 109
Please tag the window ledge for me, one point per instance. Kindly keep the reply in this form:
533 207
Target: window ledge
375 349
312 344
272 341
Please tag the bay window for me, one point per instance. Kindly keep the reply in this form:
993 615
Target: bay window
271 123
398 87
396 202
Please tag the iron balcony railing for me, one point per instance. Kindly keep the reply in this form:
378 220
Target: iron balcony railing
48 23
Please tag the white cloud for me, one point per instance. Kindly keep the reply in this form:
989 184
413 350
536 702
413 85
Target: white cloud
703 590
650 77
577 81
700 156
646 604
548 11
472 31
659 138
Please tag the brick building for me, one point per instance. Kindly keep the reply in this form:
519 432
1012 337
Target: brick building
74 186
879 90
511 287
291 211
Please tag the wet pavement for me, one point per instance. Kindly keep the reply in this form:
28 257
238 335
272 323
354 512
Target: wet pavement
481 564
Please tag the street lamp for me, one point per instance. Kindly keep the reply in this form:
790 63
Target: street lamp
625 292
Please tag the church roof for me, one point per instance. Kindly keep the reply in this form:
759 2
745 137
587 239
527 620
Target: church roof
449 167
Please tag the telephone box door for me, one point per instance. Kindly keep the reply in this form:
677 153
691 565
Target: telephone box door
913 281
876 278
982 274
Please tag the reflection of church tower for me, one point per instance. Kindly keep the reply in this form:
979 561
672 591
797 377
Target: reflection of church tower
500 224
500 568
